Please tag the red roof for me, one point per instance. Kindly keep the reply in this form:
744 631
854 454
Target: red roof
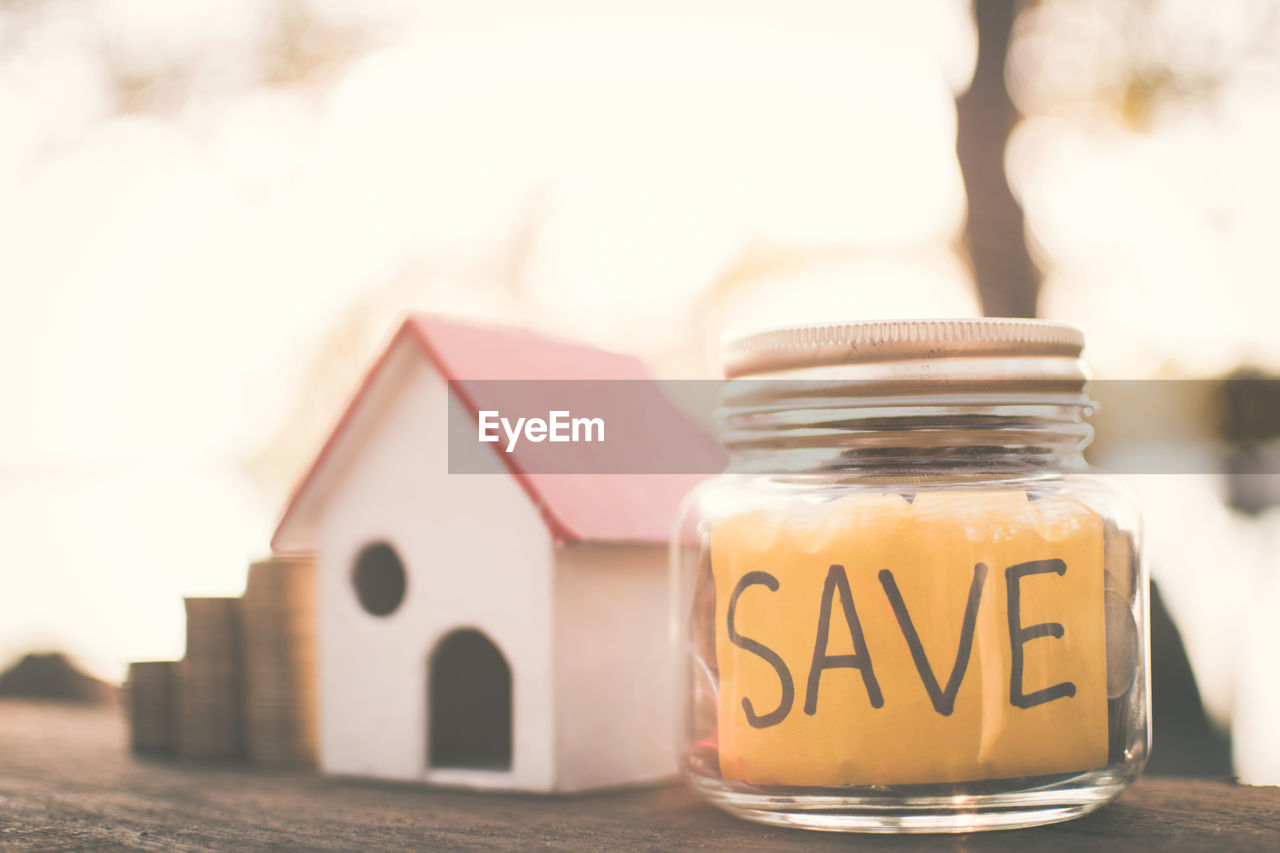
603 507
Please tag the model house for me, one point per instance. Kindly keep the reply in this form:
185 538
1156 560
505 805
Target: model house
491 630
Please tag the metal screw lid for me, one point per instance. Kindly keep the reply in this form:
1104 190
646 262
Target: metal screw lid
835 344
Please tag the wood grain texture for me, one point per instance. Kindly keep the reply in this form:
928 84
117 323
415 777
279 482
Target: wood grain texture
68 781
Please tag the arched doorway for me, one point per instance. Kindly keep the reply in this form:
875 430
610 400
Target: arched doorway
469 702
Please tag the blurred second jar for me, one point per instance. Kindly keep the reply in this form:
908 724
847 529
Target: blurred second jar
910 605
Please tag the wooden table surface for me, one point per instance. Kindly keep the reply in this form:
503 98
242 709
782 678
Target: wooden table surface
67 781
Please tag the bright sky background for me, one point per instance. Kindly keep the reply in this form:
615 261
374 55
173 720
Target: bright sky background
1155 217
189 288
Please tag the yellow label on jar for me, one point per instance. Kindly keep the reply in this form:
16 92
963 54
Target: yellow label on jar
872 641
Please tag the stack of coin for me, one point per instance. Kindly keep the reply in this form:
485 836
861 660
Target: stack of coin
210 700
278 610
150 693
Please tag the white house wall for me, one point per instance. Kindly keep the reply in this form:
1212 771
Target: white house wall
615 718
476 555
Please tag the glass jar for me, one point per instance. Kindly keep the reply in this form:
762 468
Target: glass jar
910 605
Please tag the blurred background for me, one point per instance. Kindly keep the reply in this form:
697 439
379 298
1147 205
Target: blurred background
212 215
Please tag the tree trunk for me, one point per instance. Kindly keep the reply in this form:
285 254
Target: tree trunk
1007 280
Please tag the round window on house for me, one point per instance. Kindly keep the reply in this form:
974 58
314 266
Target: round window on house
379 579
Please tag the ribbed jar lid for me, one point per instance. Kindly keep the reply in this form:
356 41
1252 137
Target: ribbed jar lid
919 342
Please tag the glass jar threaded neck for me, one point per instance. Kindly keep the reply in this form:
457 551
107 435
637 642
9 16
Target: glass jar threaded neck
780 426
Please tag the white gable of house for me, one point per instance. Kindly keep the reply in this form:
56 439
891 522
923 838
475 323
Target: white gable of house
477 554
